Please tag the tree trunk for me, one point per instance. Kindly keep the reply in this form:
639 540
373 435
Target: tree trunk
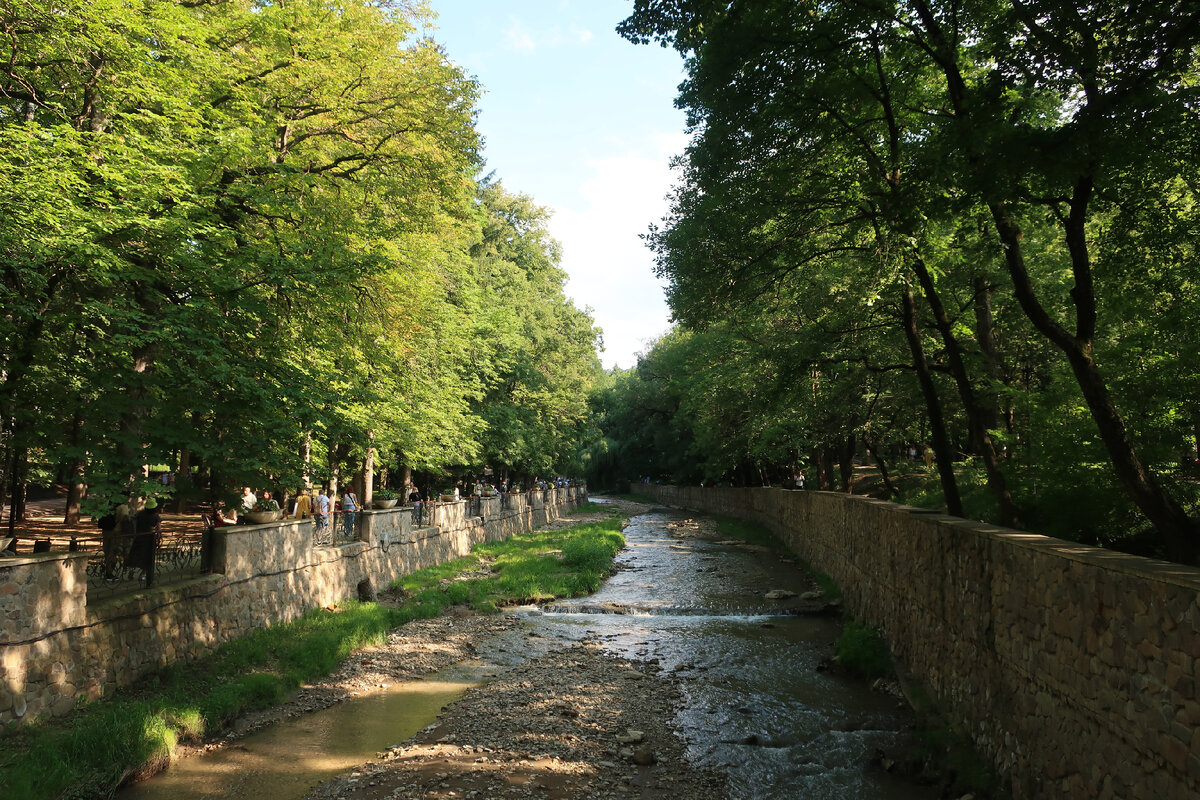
933 405
1180 533
306 457
13 490
981 439
985 334
846 464
367 475
183 480
823 459
75 485
888 486
132 456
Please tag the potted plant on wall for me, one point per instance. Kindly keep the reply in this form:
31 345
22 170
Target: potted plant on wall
264 511
447 496
384 498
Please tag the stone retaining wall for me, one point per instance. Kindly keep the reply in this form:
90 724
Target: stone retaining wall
56 647
1074 669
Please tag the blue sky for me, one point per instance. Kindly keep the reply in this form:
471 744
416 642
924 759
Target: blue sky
584 123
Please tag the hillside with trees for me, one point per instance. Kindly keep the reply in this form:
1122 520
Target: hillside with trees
247 241
972 227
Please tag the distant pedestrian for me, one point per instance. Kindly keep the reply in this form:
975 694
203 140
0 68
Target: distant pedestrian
146 531
349 511
303 508
321 510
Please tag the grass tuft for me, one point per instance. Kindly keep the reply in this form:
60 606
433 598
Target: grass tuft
862 651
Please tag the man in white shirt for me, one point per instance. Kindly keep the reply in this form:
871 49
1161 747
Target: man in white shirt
248 501
321 510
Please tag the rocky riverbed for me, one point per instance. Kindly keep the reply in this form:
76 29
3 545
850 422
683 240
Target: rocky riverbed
572 721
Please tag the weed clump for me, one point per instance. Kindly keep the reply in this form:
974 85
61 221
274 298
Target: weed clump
861 650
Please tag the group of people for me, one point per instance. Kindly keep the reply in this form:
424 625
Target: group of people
318 504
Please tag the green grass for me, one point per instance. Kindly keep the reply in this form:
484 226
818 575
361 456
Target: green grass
91 752
524 568
594 508
862 651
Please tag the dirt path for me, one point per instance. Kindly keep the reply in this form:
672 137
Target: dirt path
573 724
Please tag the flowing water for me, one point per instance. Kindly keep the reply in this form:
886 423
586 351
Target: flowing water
758 705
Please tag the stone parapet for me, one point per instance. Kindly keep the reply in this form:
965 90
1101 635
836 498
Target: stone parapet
1071 667
56 648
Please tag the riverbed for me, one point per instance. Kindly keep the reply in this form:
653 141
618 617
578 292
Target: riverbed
699 670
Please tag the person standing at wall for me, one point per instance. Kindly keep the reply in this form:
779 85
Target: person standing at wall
112 525
321 510
303 508
248 501
145 541
349 511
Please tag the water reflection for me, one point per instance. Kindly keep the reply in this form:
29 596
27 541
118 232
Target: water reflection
287 759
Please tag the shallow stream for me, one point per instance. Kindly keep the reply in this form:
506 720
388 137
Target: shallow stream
758 705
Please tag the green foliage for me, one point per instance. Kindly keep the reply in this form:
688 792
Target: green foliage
862 651
903 223
954 754
593 508
635 497
249 231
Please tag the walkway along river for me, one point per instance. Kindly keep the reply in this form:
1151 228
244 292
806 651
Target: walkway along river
755 705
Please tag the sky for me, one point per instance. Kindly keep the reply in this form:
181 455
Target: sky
583 122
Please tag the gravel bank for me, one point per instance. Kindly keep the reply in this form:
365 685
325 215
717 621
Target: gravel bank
575 723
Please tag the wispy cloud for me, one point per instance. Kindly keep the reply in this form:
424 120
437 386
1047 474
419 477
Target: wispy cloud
518 38
610 268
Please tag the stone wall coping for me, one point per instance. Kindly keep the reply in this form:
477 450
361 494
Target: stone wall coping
279 523
31 559
1137 566
144 600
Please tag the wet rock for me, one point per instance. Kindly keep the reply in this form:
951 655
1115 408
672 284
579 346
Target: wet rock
779 594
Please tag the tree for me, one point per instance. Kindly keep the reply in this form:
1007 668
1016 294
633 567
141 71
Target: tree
919 115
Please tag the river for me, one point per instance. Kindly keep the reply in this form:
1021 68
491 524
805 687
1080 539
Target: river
759 704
